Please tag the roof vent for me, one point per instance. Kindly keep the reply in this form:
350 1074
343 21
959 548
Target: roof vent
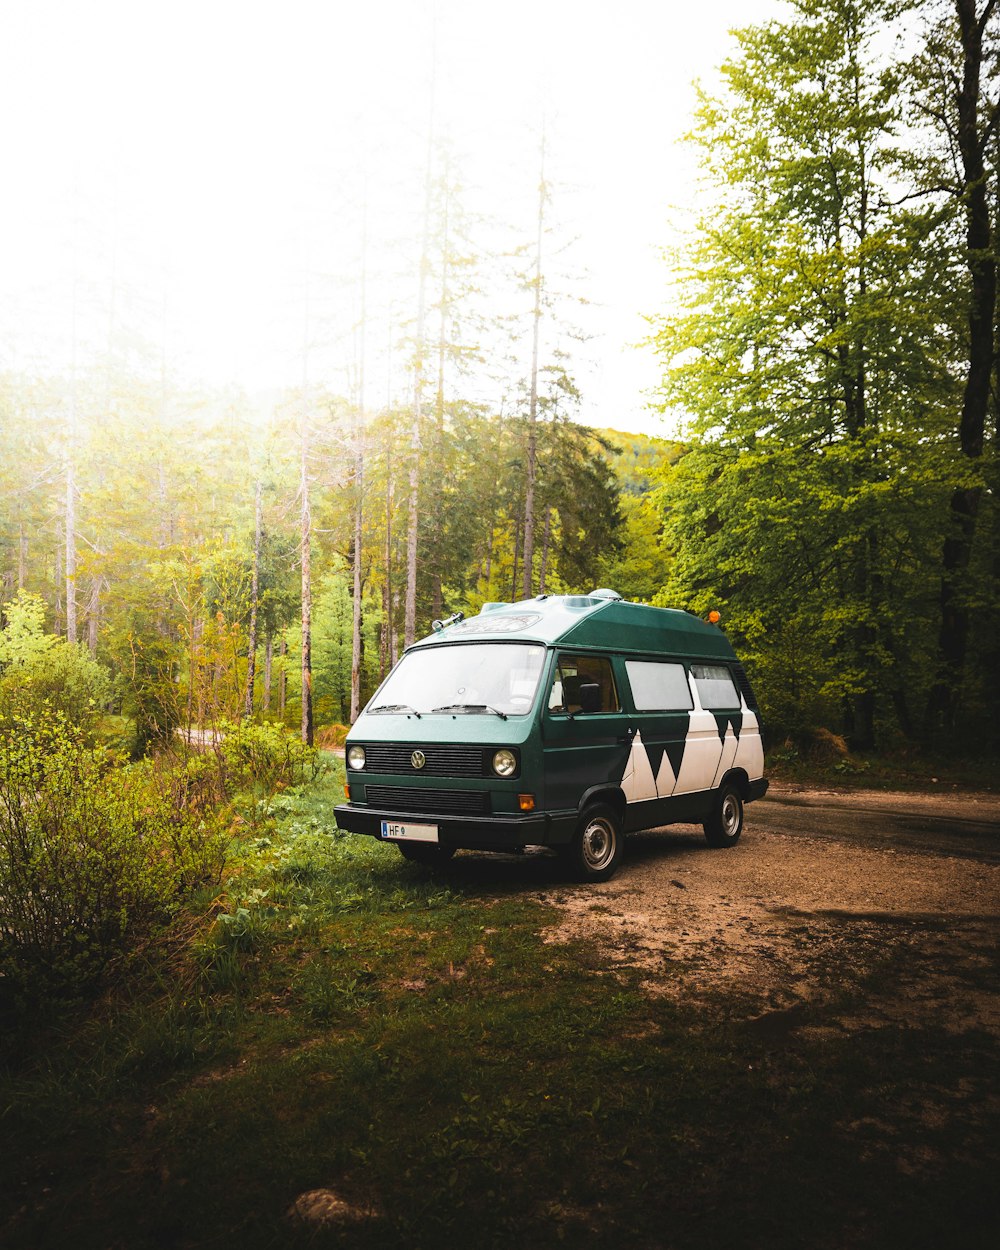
493 607
604 593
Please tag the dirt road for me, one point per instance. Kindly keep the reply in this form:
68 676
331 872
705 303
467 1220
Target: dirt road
950 823
824 893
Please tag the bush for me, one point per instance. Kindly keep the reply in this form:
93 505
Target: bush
38 668
260 760
331 736
91 852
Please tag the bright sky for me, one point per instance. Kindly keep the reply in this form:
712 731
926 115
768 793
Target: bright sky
184 180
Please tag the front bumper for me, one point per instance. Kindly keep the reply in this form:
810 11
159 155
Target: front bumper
487 833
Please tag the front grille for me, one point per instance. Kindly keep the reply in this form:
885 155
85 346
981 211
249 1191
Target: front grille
446 802
442 761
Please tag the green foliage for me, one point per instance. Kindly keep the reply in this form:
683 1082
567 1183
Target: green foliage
815 357
91 852
38 668
261 760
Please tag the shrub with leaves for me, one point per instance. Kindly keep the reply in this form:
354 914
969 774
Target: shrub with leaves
91 852
260 760
39 668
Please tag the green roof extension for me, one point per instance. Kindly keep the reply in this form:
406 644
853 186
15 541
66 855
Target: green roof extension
586 621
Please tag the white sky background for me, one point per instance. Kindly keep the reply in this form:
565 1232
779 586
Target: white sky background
178 175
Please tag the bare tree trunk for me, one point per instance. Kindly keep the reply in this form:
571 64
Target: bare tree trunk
94 615
22 555
70 536
58 606
305 557
282 679
532 467
517 550
388 656
258 531
542 572
410 615
359 478
268 661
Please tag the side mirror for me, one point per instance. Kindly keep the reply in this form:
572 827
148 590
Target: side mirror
590 697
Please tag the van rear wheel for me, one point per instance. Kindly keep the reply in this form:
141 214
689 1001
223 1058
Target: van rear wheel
725 823
596 849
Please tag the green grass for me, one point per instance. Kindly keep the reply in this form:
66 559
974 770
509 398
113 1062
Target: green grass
410 1042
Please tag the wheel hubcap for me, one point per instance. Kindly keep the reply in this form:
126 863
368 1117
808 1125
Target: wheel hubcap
598 844
730 815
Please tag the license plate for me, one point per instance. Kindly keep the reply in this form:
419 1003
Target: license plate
393 831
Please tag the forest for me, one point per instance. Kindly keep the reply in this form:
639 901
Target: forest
224 1020
828 358
174 560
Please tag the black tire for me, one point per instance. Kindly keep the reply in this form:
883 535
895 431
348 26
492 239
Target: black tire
596 849
430 854
725 824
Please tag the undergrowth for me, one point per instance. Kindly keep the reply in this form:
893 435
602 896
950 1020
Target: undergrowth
337 1018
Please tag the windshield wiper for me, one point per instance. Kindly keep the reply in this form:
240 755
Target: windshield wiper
470 707
393 707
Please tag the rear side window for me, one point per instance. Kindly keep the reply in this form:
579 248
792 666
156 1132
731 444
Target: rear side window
716 688
574 671
658 687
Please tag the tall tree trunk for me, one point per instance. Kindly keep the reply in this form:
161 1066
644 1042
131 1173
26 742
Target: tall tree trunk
22 555
70 560
356 606
305 559
359 477
532 467
94 615
389 656
437 593
258 531
973 137
543 571
282 678
268 663
58 606
410 614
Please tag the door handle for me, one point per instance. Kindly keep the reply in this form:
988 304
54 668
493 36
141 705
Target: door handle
627 736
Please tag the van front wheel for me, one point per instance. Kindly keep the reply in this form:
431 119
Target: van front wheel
596 849
725 823
430 854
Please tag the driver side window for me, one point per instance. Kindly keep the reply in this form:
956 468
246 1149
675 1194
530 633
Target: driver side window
576 671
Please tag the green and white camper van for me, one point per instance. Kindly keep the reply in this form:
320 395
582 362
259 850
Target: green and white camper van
563 721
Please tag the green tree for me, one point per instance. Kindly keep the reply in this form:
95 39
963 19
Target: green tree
810 358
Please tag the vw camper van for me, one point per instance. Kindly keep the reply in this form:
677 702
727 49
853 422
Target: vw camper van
565 721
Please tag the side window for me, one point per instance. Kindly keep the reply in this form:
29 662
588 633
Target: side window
716 688
658 687
573 672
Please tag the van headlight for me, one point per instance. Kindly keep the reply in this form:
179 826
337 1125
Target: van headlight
505 763
356 757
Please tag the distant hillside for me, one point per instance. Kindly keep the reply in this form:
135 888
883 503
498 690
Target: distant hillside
638 458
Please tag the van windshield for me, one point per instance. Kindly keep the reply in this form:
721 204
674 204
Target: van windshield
462 678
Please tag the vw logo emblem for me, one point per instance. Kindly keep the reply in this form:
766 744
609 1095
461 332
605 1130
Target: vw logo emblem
418 759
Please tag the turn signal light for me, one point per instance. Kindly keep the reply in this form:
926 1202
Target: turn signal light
347 792
526 802
713 617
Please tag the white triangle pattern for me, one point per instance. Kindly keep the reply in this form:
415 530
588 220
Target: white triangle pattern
638 782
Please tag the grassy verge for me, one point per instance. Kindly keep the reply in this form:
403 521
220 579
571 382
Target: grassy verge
347 1021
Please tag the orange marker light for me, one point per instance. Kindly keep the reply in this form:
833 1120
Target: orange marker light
526 802
347 792
714 617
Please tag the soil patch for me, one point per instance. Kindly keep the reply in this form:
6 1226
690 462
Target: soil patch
784 921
